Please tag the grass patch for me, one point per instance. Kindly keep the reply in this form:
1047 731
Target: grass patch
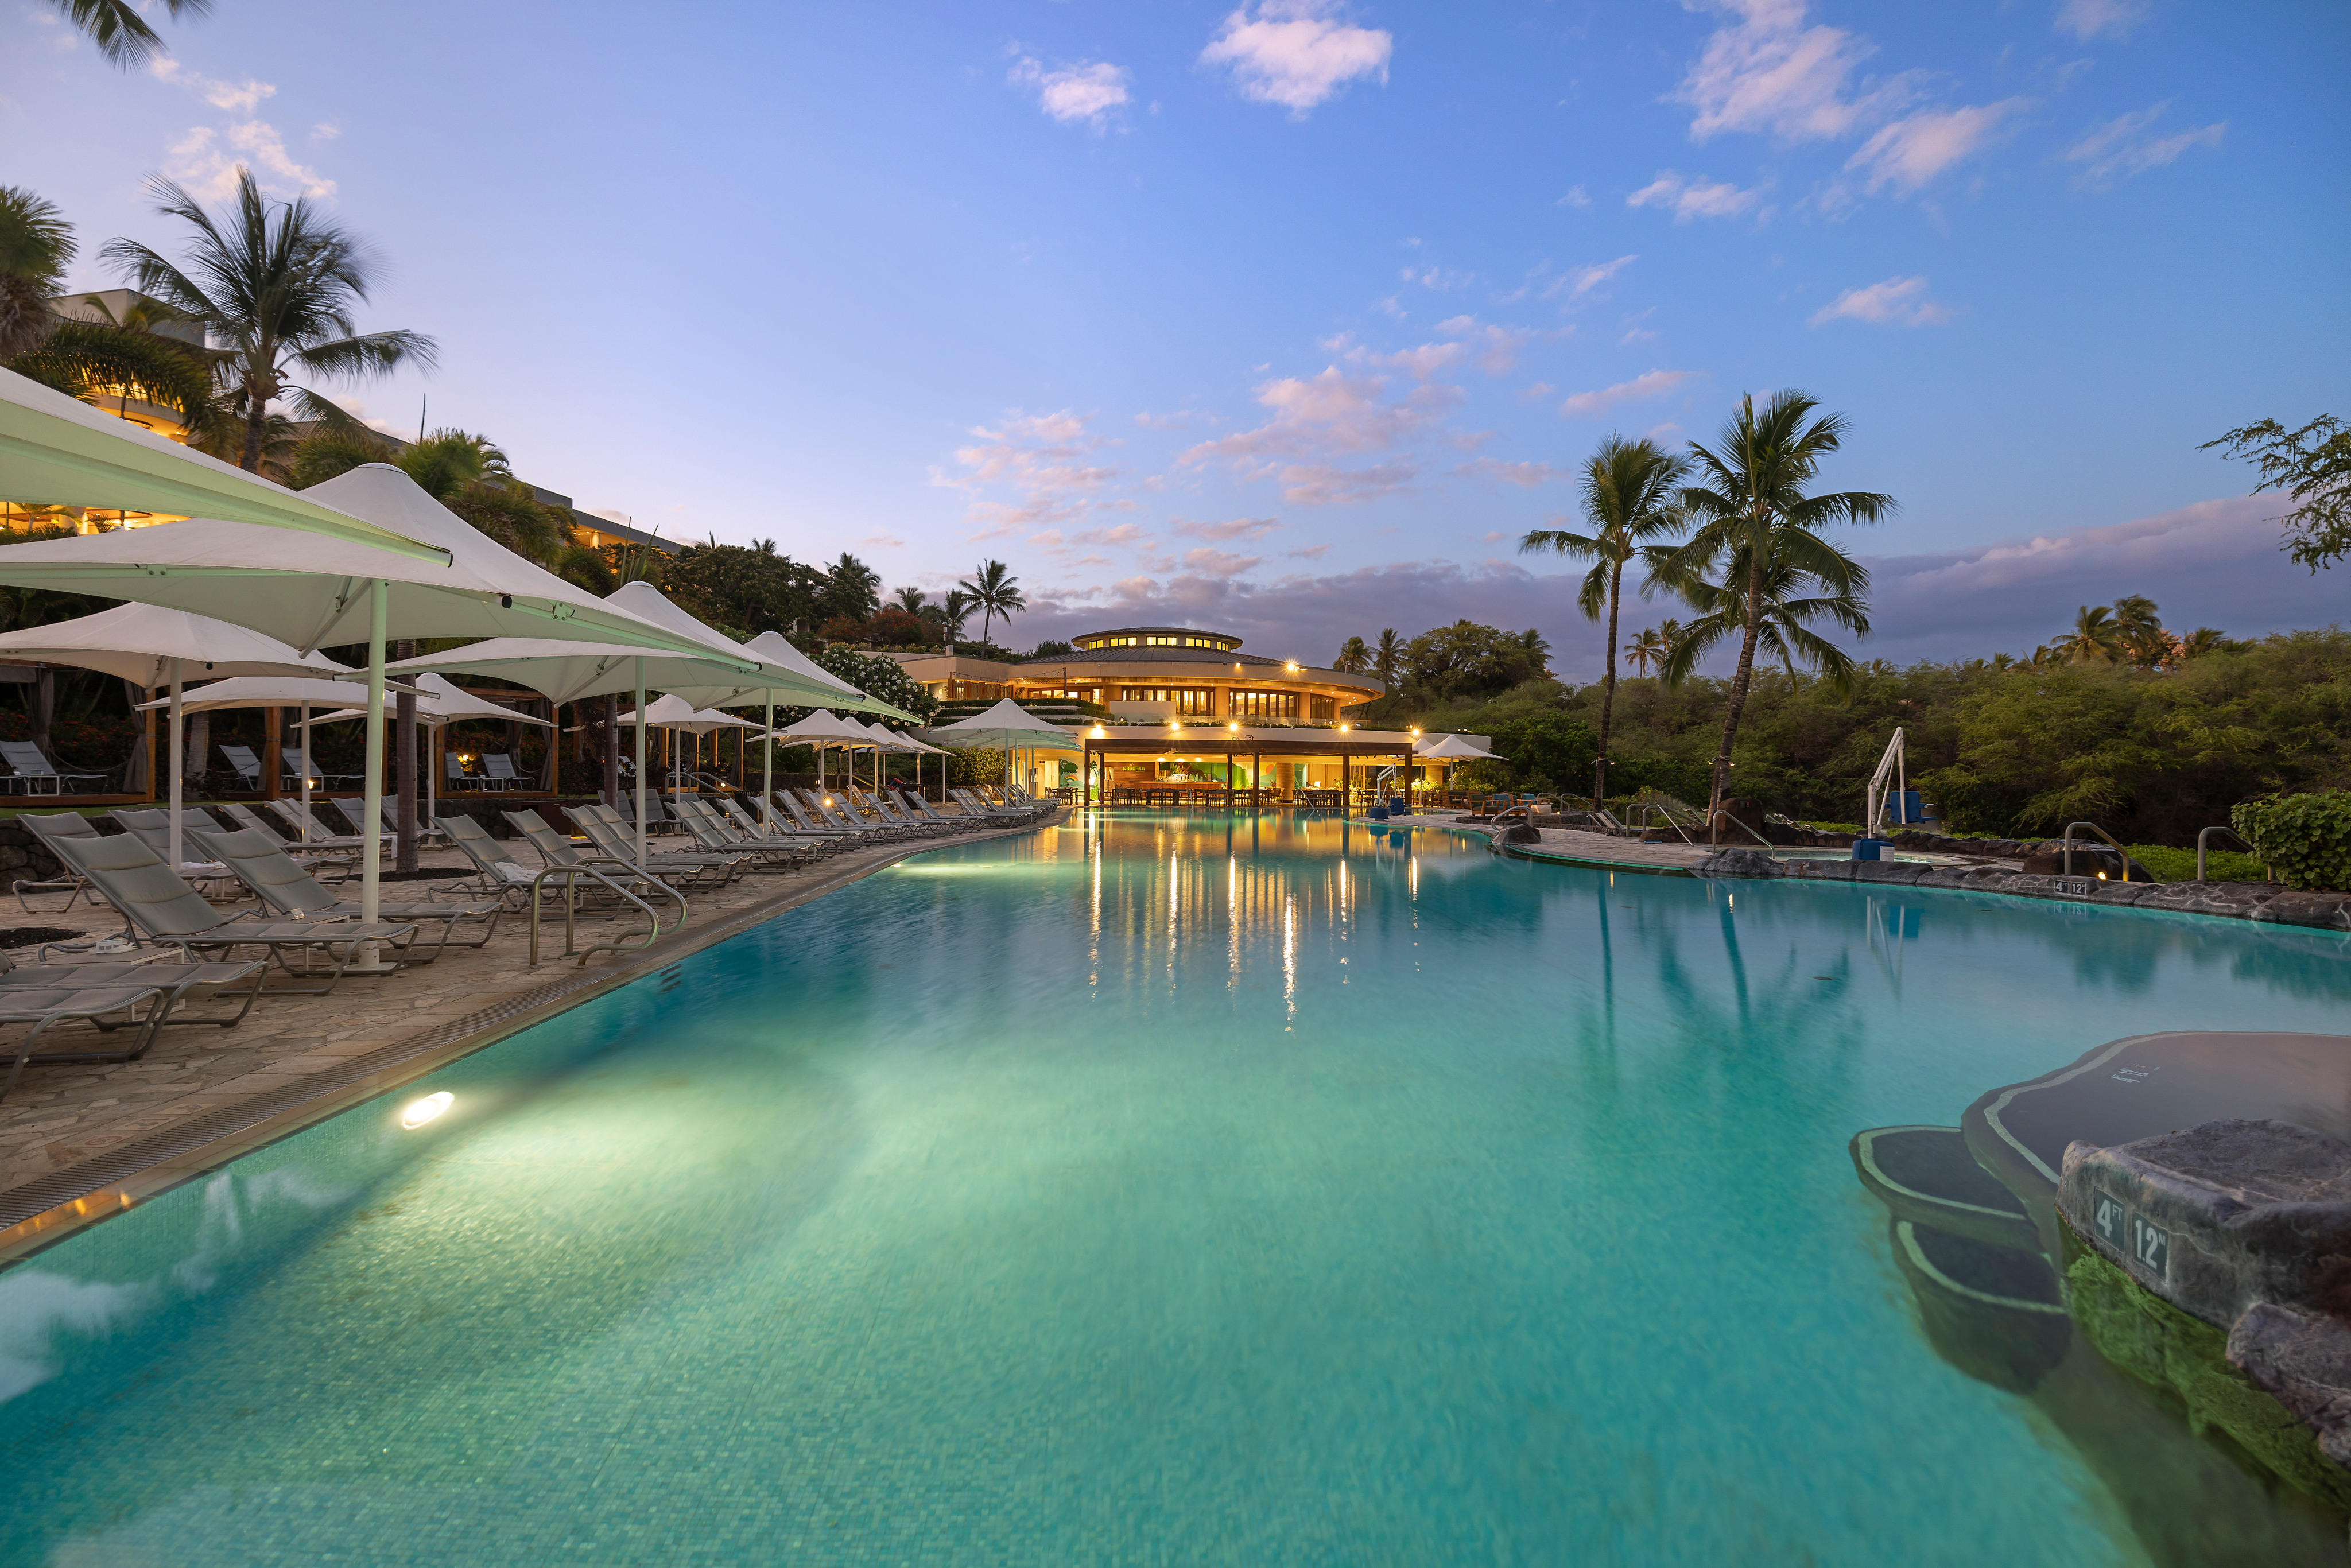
2171 865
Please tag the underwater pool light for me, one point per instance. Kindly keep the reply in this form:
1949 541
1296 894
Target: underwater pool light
419 1112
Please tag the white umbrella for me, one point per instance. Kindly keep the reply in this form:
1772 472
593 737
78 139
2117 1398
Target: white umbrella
765 668
308 590
255 691
1008 727
675 713
1454 748
56 451
1451 750
438 702
150 646
888 739
825 731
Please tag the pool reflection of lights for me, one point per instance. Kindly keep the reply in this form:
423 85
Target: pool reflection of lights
419 1112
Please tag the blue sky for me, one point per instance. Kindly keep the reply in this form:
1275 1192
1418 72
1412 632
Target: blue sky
1291 319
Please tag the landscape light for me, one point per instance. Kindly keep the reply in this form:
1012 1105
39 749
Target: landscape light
1234 726
1096 733
419 1112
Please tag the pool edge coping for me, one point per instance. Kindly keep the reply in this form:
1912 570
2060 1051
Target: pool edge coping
166 1158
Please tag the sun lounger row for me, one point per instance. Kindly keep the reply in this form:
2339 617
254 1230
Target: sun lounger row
179 948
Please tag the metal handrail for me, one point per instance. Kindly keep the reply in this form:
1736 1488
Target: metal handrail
570 874
1725 816
2218 828
2102 834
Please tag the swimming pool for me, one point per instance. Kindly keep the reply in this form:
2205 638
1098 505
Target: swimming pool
1170 1188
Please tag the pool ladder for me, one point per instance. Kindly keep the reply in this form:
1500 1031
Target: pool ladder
571 875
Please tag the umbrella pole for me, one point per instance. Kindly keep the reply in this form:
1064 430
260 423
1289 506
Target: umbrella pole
371 799
641 761
178 764
305 772
767 773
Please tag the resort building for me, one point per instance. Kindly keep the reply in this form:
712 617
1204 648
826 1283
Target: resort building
1154 675
1190 712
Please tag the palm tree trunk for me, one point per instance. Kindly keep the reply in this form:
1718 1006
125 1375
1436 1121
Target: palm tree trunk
1739 684
256 419
1607 693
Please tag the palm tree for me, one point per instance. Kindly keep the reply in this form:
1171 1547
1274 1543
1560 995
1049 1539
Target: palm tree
1386 657
2144 639
1354 656
2210 640
36 245
1628 495
1648 647
852 590
122 35
1781 621
2095 638
1751 507
275 287
955 608
996 591
913 601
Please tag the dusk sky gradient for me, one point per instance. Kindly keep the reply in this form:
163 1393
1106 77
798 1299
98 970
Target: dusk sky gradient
1289 319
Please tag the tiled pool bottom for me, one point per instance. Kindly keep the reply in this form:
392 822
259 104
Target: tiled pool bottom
1186 1190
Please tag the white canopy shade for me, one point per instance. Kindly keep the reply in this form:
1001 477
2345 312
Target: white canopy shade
674 711
785 674
310 590
1454 748
56 451
774 649
567 672
897 740
265 691
1007 726
440 701
151 646
317 588
824 728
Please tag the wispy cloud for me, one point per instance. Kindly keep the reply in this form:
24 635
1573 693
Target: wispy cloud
1766 72
1640 389
1896 302
1696 197
238 97
1089 92
1046 460
1575 197
1912 150
206 160
1526 475
2087 20
1320 422
2118 148
1578 281
1226 532
1436 277
1295 53
1494 349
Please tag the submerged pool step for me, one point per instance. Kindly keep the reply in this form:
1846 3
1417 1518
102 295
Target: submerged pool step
1929 1175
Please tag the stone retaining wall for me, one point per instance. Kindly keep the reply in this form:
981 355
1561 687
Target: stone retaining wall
2269 902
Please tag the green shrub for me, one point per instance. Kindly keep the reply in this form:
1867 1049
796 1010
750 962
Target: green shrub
2171 864
2306 837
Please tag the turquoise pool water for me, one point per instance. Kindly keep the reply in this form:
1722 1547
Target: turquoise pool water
1175 1189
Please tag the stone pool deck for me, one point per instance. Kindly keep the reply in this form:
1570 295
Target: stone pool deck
81 1140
